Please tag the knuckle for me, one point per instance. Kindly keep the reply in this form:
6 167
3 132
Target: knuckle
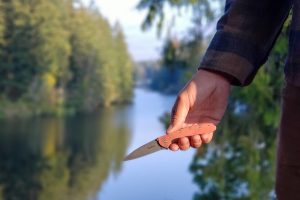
174 114
181 97
174 117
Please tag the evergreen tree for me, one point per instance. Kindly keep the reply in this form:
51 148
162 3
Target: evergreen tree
100 65
124 65
35 52
53 54
17 65
89 32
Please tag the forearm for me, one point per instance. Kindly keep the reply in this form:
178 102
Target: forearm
245 35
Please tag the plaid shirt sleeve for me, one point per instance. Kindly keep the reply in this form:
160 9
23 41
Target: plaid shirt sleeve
292 67
245 35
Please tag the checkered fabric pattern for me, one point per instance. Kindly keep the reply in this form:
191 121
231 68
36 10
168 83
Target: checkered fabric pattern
245 35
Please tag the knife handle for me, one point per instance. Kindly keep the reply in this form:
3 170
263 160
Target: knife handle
203 128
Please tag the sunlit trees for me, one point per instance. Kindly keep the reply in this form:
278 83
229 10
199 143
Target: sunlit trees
54 55
124 63
51 54
35 55
85 87
101 68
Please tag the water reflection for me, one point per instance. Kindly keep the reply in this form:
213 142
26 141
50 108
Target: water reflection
57 158
238 164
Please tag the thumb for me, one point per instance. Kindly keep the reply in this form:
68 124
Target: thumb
179 112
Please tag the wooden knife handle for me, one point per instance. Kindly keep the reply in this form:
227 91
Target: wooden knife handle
203 128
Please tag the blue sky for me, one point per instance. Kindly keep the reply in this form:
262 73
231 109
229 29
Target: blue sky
142 45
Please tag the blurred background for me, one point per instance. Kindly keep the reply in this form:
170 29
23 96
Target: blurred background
82 83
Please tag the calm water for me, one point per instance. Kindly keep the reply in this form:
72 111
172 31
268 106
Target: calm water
80 157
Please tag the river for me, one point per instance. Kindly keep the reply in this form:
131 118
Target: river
80 157
163 175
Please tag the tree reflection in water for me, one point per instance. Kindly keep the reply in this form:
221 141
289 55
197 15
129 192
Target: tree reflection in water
56 158
240 162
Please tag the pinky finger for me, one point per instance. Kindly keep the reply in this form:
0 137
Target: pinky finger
206 138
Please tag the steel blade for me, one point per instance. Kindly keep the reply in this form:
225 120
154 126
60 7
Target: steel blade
146 149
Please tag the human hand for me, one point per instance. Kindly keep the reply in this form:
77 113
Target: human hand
203 99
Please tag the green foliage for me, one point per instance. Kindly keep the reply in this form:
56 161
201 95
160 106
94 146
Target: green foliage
203 10
86 61
240 164
179 62
180 57
100 64
55 56
35 53
125 72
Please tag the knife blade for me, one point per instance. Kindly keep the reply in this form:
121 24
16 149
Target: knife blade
163 142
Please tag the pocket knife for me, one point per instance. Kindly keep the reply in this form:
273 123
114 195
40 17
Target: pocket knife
165 141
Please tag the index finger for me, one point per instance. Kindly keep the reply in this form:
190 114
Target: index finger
179 113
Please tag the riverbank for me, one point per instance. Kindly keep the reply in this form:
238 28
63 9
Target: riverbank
25 109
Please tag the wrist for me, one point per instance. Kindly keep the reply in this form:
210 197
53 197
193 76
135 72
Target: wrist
220 76
226 77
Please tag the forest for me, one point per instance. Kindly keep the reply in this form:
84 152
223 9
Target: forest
60 56
240 162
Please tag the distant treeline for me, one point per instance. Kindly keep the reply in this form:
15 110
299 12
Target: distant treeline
57 56
179 61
